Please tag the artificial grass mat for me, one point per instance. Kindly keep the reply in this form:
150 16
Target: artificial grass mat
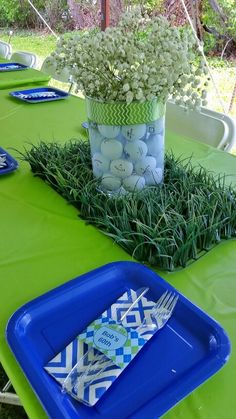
167 226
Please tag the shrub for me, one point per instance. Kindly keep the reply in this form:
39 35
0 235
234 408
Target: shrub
20 14
221 21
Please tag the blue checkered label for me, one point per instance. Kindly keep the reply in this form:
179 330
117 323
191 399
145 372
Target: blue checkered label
117 342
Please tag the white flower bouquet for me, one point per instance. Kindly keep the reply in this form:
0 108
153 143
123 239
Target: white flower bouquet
138 60
127 73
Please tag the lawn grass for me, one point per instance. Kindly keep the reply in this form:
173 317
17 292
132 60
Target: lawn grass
224 74
41 44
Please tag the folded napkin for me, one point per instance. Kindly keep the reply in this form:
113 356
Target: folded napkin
82 350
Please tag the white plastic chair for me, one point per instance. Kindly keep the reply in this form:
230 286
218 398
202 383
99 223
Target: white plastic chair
213 128
63 76
5 50
25 57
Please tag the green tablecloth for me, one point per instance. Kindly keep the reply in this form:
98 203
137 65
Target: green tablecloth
12 79
44 243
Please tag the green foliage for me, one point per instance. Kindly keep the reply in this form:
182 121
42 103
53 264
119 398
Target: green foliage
167 225
210 42
223 23
20 14
146 5
56 13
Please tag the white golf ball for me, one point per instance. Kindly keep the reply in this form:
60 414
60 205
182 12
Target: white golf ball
121 139
156 127
154 177
95 139
155 144
110 182
133 132
146 165
109 131
112 149
100 164
121 168
134 183
136 150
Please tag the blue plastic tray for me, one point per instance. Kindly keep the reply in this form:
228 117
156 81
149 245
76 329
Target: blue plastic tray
12 67
12 164
185 353
40 94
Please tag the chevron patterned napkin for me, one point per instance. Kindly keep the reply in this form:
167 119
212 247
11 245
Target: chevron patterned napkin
81 353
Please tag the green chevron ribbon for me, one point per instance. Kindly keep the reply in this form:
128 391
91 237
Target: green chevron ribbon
121 113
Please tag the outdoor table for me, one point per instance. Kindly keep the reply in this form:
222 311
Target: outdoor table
14 79
44 244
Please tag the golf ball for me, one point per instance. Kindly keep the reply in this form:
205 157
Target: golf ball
100 164
95 139
109 131
146 165
134 183
156 127
154 177
121 168
136 150
133 132
112 149
110 182
155 144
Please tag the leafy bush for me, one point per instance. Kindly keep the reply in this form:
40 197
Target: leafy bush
20 14
220 18
210 42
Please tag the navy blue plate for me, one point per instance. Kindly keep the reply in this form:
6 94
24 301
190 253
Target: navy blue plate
12 67
11 163
40 94
180 357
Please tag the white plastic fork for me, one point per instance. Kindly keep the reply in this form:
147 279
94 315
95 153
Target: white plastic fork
3 160
160 314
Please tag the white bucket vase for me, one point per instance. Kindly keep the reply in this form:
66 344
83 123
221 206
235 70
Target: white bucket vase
127 144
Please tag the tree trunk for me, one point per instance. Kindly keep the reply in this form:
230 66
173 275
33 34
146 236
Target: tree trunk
194 8
76 15
198 10
193 13
216 7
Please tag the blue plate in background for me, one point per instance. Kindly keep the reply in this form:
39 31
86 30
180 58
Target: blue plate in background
11 163
12 67
40 94
186 352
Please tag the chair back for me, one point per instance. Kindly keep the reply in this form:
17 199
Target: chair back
25 57
49 67
5 50
213 128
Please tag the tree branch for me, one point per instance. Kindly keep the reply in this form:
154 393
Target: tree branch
216 7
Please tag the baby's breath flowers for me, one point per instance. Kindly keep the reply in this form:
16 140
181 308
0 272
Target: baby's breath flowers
140 59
